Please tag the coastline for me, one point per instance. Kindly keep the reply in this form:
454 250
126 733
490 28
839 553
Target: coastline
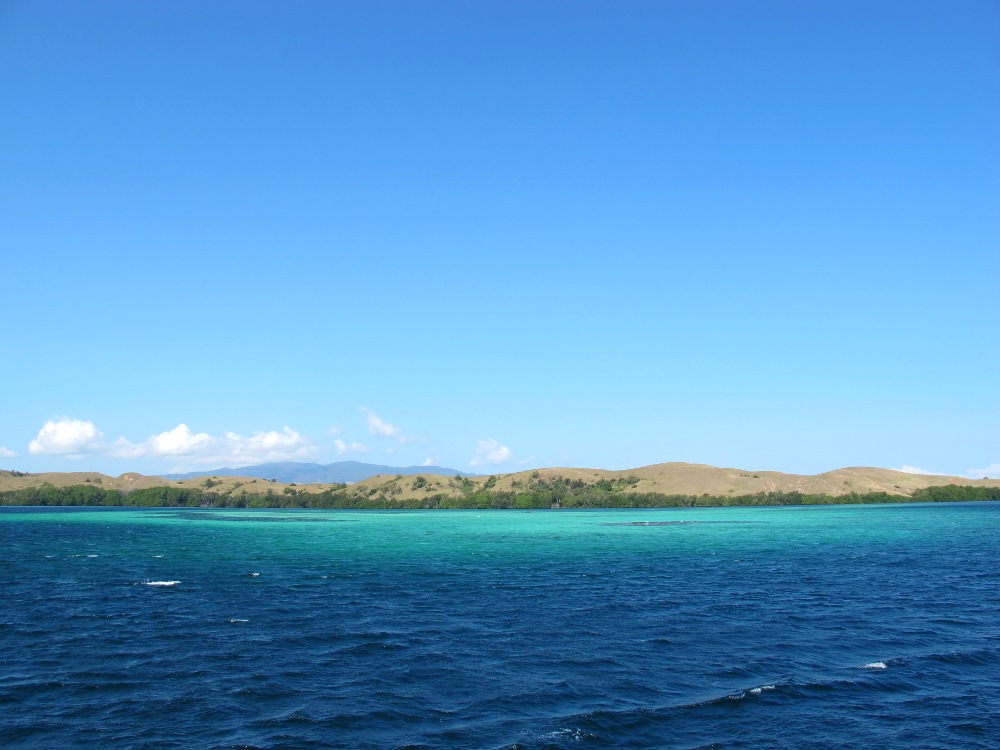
560 497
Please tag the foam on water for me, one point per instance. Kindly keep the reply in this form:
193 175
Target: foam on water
566 734
160 583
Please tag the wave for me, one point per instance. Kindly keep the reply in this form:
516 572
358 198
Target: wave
973 657
160 583
569 734
793 688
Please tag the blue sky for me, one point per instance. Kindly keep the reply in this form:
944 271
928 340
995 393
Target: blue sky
500 235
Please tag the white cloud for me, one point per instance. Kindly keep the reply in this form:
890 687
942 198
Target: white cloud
75 438
6 452
67 437
490 452
992 471
180 441
428 461
381 428
287 445
914 470
343 448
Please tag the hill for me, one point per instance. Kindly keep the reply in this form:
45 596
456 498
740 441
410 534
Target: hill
309 473
684 479
398 484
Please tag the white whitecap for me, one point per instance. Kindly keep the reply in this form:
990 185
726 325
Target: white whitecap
237 620
91 555
761 689
575 735
876 665
255 574
160 583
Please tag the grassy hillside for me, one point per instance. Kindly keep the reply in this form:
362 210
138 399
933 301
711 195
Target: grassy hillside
131 481
663 479
677 479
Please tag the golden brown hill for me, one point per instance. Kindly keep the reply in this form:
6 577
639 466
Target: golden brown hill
129 481
132 481
665 478
682 479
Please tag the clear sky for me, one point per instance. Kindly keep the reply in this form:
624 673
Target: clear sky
499 235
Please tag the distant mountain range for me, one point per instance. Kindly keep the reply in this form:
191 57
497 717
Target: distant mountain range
287 472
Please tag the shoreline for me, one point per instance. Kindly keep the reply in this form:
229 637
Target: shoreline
559 498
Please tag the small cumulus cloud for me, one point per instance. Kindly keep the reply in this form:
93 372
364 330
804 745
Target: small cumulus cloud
380 428
490 452
73 438
992 472
428 461
907 469
6 452
345 448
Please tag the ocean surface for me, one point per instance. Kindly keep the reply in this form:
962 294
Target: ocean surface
821 627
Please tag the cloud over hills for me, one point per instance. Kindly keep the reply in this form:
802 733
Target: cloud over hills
345 448
383 429
490 452
183 449
992 471
907 469
63 436
75 438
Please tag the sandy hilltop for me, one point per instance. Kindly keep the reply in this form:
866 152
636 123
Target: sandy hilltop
665 478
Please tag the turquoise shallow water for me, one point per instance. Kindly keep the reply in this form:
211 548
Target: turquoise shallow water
836 626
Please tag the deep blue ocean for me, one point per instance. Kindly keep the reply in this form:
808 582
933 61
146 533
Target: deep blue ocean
821 627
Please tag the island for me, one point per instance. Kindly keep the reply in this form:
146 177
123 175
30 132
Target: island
657 486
